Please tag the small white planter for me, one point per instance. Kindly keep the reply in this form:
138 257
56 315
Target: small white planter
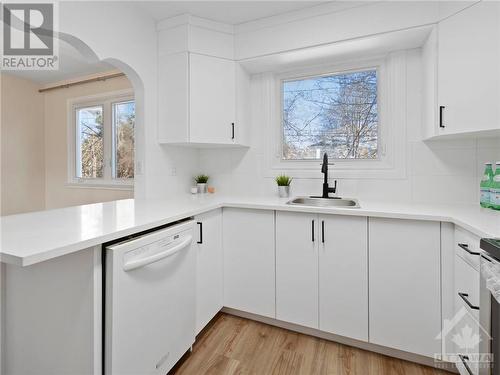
202 188
284 191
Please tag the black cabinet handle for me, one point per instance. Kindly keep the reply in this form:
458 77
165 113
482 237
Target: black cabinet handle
466 300
232 130
466 248
322 231
464 360
483 257
201 232
312 230
441 109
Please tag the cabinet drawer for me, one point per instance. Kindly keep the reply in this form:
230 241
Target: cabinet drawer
466 291
467 247
466 329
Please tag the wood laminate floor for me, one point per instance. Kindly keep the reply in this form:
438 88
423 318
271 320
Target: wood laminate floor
235 346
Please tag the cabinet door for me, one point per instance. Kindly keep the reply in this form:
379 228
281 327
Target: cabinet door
297 268
173 96
469 69
209 275
212 99
343 276
404 279
249 265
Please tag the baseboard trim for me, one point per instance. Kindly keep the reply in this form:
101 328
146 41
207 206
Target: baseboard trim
411 357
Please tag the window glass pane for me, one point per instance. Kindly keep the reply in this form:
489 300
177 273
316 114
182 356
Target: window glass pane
123 131
90 145
336 114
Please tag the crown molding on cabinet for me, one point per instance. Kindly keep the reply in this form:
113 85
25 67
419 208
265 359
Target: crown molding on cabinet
189 19
298 15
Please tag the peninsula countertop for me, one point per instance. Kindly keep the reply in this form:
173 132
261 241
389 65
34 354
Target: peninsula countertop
34 237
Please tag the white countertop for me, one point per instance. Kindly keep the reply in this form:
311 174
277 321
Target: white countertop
31 238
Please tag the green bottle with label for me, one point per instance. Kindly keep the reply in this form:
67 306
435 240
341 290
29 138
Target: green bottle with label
486 185
495 188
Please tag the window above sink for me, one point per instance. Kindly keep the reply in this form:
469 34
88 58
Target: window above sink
355 111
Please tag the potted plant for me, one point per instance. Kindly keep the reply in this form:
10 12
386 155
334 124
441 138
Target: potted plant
201 183
283 182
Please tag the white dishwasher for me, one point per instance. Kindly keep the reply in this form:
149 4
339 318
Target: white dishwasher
149 301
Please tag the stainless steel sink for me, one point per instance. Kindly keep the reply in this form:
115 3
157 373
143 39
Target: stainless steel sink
325 202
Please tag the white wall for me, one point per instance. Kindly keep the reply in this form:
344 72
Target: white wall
22 146
123 35
437 172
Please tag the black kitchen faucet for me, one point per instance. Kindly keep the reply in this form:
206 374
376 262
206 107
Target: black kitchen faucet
324 169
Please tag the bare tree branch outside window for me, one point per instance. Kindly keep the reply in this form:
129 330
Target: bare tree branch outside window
124 122
90 127
336 114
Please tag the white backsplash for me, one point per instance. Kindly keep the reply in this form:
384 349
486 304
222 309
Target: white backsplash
444 171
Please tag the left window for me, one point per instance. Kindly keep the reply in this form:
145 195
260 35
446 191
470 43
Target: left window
101 140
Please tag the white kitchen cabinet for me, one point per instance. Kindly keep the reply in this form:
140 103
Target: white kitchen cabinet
467 247
209 275
197 95
297 268
212 101
404 279
466 285
343 276
249 260
467 74
466 327
322 272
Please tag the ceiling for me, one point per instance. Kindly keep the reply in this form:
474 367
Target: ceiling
230 12
71 65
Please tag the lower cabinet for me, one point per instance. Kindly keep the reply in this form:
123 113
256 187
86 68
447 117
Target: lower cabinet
209 275
249 266
297 268
322 272
404 279
343 276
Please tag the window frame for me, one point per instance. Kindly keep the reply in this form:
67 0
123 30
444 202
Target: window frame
300 77
391 102
106 101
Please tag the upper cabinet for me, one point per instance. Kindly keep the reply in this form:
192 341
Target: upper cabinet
462 73
203 92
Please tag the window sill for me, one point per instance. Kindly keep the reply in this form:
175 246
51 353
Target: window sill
100 186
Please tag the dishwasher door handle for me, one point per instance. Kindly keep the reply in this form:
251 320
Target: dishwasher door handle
134 264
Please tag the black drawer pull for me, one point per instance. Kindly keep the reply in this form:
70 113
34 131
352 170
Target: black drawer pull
466 248
322 231
441 109
312 230
466 300
464 360
483 257
232 130
201 232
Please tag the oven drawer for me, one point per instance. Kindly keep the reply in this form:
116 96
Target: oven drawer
467 247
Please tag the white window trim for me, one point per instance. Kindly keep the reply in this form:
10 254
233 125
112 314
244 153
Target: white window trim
391 85
106 100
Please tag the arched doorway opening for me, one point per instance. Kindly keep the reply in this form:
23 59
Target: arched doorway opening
70 136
